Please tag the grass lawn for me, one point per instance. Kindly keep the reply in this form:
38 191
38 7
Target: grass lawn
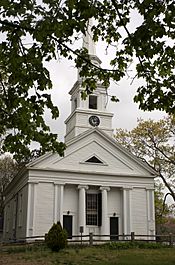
40 255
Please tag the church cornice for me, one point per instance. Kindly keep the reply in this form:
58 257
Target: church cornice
82 172
78 83
85 127
89 112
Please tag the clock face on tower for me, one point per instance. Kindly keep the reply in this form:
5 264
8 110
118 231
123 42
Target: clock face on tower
94 121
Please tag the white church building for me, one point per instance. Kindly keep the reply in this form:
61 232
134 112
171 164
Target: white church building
98 185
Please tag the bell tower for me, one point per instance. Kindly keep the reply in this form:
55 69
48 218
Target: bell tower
89 113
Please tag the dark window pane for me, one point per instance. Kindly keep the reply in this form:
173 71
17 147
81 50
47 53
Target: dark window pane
92 102
94 159
91 209
75 103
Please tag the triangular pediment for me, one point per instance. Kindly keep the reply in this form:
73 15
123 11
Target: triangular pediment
94 151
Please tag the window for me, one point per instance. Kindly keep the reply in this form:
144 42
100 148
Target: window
75 103
92 102
20 210
93 209
94 160
14 213
7 217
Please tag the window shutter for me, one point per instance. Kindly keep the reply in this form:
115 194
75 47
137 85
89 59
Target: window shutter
99 209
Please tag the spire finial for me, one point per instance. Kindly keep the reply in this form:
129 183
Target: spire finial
88 42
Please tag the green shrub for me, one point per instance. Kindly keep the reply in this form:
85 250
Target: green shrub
56 238
133 245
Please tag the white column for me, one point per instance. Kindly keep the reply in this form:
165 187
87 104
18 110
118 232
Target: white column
150 211
61 201
82 206
105 219
127 211
30 231
55 209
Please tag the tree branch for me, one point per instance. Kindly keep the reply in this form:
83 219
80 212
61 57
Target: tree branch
167 185
164 202
159 149
127 31
80 56
16 26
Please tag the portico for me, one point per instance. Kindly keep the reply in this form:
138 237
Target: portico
93 212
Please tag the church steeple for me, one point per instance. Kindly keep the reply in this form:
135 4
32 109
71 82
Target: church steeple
88 42
89 45
89 113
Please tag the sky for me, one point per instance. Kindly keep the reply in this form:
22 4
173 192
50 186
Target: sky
126 112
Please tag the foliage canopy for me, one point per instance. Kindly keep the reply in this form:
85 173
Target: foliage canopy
162 209
154 141
33 32
8 169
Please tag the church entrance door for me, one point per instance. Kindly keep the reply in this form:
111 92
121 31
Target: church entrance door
114 228
67 224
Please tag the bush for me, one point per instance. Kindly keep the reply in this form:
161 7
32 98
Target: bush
133 245
56 238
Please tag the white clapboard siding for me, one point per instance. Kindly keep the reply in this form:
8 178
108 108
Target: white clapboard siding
15 214
139 211
22 213
114 201
70 205
44 208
